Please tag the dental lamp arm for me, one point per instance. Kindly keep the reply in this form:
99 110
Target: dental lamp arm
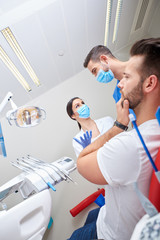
5 101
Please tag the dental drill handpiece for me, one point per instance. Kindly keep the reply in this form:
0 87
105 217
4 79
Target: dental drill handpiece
64 172
15 164
34 170
39 166
59 171
49 165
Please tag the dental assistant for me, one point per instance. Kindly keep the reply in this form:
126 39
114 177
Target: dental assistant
80 112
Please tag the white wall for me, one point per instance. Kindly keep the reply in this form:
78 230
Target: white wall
52 139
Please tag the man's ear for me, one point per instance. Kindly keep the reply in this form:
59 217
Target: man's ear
150 83
103 59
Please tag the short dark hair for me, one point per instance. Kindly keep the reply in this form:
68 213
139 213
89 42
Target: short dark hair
70 111
150 49
95 54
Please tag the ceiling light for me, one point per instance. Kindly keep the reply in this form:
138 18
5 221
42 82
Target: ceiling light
116 25
108 19
4 57
7 33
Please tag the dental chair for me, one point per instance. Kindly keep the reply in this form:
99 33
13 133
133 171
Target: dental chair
148 227
29 219
154 191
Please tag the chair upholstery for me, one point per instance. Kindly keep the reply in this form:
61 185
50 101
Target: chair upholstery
154 191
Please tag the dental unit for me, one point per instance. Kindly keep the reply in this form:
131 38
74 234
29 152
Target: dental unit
29 219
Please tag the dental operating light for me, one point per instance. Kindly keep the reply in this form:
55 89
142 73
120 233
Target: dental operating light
7 61
26 116
7 33
108 20
117 20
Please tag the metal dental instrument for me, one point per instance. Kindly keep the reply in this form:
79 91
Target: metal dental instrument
49 165
16 164
63 173
39 166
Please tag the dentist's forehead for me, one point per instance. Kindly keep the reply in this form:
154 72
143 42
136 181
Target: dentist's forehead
92 65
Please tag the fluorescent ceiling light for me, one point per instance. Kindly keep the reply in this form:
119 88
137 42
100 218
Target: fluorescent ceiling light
4 57
7 33
116 25
108 19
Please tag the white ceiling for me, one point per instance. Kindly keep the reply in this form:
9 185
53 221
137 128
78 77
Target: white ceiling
56 36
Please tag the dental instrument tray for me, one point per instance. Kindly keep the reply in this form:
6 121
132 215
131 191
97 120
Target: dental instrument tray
37 175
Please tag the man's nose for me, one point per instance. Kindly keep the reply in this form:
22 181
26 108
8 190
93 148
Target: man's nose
120 84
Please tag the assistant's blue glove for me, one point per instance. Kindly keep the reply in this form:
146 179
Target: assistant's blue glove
86 140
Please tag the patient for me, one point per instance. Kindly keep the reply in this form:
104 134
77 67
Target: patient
117 158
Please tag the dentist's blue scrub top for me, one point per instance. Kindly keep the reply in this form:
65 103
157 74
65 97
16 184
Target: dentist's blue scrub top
117 96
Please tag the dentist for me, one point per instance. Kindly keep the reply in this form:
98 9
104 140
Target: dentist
101 62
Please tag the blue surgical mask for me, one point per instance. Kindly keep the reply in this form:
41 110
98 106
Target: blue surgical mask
105 77
84 111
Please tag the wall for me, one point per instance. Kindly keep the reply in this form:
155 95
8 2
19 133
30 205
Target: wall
52 139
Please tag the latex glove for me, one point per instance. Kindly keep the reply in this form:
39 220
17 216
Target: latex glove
86 140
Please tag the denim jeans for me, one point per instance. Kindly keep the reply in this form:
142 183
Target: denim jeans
88 231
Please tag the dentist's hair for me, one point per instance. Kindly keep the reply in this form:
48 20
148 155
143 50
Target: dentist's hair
70 110
150 50
95 54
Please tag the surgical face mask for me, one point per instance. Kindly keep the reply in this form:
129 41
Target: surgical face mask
26 116
105 77
84 111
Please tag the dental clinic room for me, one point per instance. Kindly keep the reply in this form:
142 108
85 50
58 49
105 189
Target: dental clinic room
80 119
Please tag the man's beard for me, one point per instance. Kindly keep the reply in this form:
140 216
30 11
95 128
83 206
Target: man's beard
135 96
